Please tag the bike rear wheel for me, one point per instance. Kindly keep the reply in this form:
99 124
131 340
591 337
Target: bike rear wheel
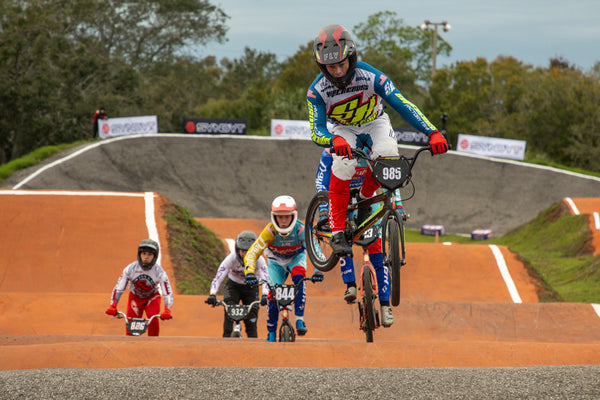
394 239
369 304
318 235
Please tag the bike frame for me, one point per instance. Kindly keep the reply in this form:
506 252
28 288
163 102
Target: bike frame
387 209
386 198
392 173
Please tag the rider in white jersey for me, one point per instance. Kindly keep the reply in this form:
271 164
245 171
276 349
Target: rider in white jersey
236 291
145 278
350 95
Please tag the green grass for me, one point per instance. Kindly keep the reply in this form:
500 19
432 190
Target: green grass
416 236
540 161
33 158
557 246
195 251
556 249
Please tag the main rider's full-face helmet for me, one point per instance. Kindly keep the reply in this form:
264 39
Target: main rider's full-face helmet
333 45
284 205
150 246
243 242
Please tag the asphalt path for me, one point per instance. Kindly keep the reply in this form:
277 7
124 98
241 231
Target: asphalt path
549 383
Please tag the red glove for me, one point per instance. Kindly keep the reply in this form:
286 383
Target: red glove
112 310
166 314
341 147
438 143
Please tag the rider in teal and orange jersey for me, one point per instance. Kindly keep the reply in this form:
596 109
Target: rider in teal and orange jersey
350 94
282 241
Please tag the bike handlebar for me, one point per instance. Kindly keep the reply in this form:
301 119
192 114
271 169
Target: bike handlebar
121 315
305 278
225 305
359 153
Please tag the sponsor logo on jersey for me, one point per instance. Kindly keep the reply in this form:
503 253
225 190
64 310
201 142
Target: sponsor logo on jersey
144 283
347 89
353 111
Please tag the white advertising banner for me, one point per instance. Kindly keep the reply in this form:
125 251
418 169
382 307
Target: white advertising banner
112 127
292 128
492 147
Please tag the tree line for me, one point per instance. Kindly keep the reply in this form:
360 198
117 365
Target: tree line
62 59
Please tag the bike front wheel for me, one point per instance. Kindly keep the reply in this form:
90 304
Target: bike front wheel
286 333
318 235
394 238
236 332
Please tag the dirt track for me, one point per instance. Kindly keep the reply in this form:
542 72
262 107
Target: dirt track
59 262
60 255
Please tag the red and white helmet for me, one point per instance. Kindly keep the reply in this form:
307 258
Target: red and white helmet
284 205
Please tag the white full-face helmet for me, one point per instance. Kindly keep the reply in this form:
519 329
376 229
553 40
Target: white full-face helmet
284 205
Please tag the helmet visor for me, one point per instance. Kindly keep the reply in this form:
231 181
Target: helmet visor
244 243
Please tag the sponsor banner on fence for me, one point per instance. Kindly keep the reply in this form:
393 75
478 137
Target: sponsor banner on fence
213 126
406 136
301 129
290 128
492 147
124 126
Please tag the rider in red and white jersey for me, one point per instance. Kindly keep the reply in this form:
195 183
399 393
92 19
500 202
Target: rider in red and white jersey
145 277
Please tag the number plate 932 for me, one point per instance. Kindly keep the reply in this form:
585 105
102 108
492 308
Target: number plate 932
237 312
391 172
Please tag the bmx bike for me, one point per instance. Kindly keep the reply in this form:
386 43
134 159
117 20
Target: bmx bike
284 296
392 173
237 313
136 326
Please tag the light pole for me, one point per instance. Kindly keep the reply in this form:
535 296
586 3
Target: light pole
426 26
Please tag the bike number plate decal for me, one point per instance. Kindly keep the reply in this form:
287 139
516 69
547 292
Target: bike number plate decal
137 326
391 172
284 294
237 312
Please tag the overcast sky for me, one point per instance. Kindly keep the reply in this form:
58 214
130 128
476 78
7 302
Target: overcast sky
533 31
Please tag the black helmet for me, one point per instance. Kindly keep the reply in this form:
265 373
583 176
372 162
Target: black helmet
151 246
333 45
243 242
